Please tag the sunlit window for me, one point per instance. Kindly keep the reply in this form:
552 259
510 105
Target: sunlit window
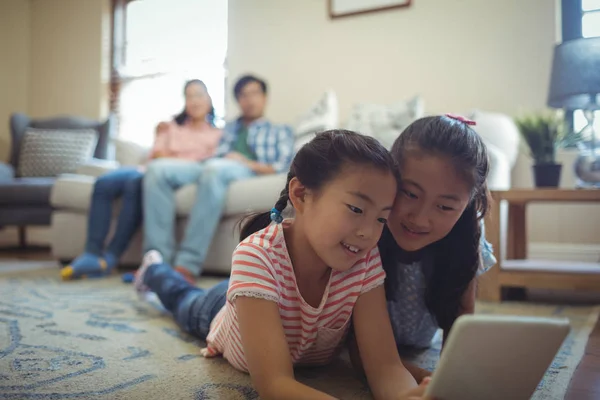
167 43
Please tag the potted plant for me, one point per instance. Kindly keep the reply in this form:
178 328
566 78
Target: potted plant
543 133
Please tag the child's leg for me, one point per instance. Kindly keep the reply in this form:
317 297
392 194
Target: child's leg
196 310
192 307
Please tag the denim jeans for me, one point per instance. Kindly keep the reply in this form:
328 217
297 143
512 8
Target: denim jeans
213 177
193 308
125 183
163 177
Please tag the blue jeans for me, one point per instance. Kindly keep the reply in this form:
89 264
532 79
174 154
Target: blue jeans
193 308
125 183
162 179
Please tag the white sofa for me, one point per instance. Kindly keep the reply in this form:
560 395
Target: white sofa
72 192
71 196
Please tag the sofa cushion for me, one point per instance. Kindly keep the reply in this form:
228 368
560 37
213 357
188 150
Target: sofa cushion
48 153
385 122
26 192
322 116
74 192
257 194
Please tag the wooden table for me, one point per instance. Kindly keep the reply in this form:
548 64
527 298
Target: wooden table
517 271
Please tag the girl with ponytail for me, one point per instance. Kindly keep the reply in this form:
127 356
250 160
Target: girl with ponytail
433 246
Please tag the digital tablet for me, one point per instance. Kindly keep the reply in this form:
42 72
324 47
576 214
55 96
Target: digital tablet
496 357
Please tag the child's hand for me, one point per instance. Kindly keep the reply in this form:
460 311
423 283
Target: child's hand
417 393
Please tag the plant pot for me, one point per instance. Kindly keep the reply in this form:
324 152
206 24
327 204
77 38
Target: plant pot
546 175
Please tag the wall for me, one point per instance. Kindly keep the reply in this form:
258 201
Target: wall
67 46
15 37
458 54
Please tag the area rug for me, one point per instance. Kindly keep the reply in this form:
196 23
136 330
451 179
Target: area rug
95 339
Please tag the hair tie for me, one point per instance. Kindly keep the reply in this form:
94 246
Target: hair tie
276 216
461 119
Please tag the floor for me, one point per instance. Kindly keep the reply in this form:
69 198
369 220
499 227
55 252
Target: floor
586 380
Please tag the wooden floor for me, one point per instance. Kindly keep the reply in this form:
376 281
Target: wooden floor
585 384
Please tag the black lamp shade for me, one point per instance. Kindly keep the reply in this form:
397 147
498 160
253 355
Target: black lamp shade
575 79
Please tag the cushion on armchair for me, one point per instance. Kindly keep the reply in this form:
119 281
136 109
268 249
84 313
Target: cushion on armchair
385 122
49 153
322 116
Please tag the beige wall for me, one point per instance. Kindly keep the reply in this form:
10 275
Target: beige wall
458 54
55 56
67 57
15 39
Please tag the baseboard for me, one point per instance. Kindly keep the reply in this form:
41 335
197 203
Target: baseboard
565 251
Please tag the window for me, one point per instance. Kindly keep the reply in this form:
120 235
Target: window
590 19
158 46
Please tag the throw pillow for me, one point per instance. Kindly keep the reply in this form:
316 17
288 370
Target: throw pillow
385 122
322 116
49 152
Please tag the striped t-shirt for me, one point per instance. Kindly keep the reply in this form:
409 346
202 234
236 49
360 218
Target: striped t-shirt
262 269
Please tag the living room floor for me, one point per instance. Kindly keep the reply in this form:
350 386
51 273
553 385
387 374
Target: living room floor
585 384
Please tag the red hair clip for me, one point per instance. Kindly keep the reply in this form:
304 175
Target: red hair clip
461 119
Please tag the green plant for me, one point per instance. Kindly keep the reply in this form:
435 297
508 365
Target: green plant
543 133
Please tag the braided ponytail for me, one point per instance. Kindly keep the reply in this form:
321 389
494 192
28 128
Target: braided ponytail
255 222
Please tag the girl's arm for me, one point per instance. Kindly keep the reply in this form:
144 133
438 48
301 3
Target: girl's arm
387 376
267 352
417 372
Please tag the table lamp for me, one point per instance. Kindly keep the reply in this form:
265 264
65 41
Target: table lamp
575 85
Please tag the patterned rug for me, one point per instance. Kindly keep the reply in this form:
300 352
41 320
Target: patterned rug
94 339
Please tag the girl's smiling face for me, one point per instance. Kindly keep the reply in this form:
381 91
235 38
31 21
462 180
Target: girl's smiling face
431 198
344 220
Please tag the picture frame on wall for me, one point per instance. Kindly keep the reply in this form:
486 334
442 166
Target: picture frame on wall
347 8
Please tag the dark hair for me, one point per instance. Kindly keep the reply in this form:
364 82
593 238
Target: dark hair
456 256
182 116
246 79
320 161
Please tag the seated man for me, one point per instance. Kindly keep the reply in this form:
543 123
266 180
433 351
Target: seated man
250 146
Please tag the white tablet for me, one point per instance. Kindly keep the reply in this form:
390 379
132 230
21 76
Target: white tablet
496 357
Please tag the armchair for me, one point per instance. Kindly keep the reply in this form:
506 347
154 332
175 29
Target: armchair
25 201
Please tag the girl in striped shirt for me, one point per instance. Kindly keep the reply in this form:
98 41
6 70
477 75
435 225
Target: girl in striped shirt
296 283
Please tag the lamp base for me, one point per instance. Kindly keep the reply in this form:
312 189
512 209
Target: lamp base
587 169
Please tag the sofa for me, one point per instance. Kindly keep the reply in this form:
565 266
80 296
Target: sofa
72 192
25 198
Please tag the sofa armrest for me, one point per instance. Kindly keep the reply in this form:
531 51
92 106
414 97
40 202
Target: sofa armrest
7 172
97 167
499 174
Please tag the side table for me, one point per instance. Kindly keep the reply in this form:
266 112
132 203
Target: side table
517 271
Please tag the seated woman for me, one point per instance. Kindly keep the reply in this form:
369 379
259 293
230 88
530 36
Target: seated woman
190 136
